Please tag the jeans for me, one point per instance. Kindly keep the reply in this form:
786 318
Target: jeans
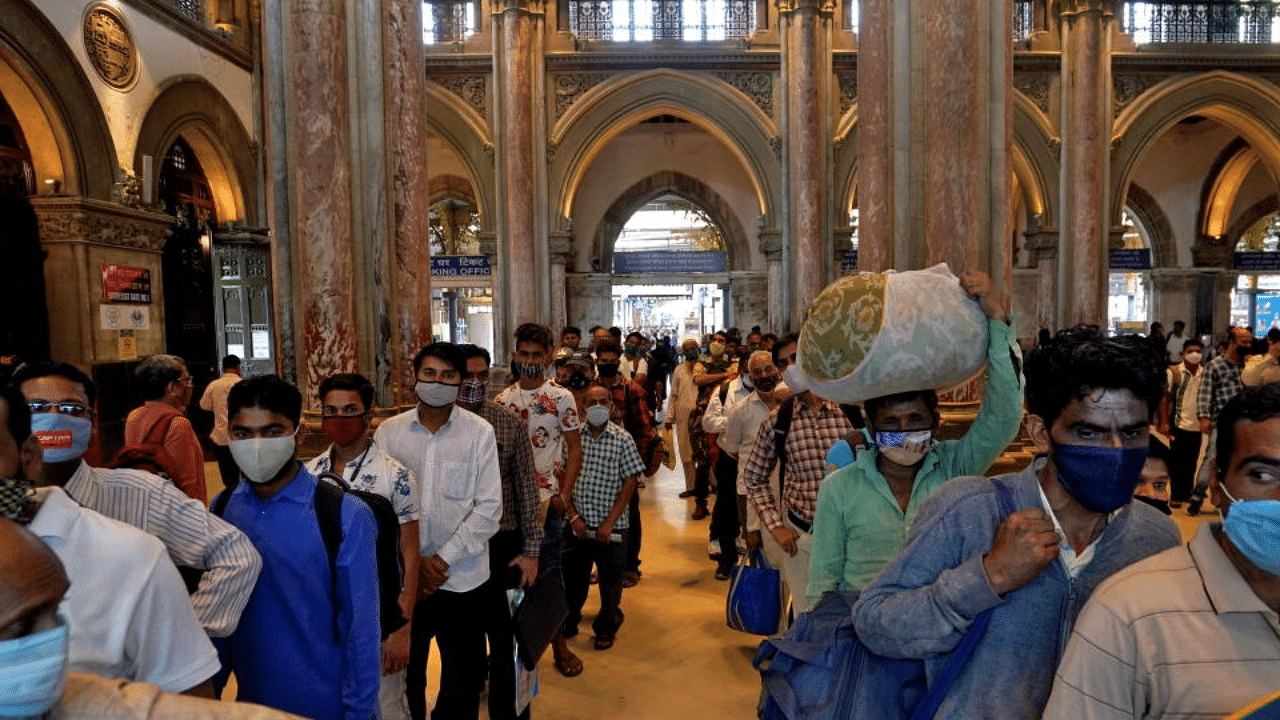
457 621
608 558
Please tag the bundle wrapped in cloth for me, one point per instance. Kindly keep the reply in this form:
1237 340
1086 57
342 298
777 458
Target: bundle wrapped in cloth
875 334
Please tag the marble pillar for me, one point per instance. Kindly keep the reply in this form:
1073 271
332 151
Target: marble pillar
590 297
561 249
771 248
805 26
934 127
1174 297
1086 154
1043 243
749 291
319 147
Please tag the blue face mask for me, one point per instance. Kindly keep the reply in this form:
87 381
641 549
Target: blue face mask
1253 526
33 670
1100 478
62 437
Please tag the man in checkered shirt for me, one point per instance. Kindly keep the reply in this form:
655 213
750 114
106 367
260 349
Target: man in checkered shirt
598 518
816 425
1219 382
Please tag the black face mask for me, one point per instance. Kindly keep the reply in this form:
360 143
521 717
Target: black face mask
577 381
765 384
607 370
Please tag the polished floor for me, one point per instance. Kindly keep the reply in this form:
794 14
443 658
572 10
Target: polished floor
674 656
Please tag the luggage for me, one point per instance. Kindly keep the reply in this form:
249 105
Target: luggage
754 603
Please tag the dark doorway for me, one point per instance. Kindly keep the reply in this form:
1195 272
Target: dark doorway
24 315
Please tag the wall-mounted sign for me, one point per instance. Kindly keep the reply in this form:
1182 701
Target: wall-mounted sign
474 266
849 263
1131 259
124 317
124 284
1266 312
109 46
128 345
1261 261
668 262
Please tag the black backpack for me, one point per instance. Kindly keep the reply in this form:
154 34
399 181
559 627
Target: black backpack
386 545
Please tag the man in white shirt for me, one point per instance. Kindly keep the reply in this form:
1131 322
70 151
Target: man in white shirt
127 611
61 399
455 457
1180 422
214 400
346 407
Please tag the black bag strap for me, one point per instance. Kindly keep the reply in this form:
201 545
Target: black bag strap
724 391
781 427
328 505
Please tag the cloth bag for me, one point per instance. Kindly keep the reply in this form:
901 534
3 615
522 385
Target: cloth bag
754 603
875 334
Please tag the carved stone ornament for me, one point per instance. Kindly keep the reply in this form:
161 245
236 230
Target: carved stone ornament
756 85
775 144
94 222
1036 87
471 88
1129 87
110 47
127 189
848 90
571 86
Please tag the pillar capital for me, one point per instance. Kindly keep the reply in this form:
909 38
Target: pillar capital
1075 8
1043 241
488 242
771 243
788 7
560 247
528 7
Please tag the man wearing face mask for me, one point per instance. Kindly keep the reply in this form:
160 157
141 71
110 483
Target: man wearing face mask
865 509
61 398
127 614
1183 426
1090 400
454 454
1130 655
166 389
720 366
309 641
1219 383
346 407
680 404
34 681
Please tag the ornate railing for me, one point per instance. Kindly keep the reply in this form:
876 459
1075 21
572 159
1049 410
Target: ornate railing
645 20
448 21
1202 21
1024 19
193 10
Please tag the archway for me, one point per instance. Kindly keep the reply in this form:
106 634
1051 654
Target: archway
24 316
462 280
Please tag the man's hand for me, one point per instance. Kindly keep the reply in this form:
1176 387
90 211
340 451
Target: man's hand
978 286
579 528
395 651
1025 544
432 572
787 538
528 569
752 539
602 532
1205 426
557 502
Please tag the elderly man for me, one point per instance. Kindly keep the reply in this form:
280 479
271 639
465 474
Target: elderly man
1090 400
127 613
1129 655
166 390
60 398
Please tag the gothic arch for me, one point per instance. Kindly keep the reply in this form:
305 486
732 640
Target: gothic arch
614 106
1259 210
1035 160
444 187
845 166
47 88
1164 251
737 247
1247 105
190 107
467 134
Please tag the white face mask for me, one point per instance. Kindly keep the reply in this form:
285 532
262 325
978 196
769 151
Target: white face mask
597 415
905 448
435 394
33 670
1194 357
795 378
260 459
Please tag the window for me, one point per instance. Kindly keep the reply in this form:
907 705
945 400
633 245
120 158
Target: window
646 20
1255 300
1129 291
448 22
1202 21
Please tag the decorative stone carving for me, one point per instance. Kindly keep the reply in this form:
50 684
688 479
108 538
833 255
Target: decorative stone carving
110 46
848 90
1079 7
489 152
756 85
552 148
1035 87
1055 147
471 88
771 243
775 143
94 222
560 247
1128 88
127 190
821 6
570 86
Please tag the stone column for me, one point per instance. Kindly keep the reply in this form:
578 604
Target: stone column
771 248
1174 297
1086 154
561 249
749 290
805 27
1043 241
592 298
319 151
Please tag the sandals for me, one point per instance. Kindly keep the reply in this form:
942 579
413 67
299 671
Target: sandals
569 665
602 643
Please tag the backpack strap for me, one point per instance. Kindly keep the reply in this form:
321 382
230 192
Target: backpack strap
941 686
163 424
781 427
724 391
220 503
328 504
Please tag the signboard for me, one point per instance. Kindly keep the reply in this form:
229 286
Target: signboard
128 345
1131 259
849 263
1132 327
1267 312
115 317
123 284
468 266
1264 261
668 262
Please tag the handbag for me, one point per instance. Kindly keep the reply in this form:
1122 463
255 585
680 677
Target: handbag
539 616
669 448
754 603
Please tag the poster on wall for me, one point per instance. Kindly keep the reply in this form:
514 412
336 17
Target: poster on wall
117 317
124 284
1267 306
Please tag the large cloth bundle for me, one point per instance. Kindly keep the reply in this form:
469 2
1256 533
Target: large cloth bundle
875 334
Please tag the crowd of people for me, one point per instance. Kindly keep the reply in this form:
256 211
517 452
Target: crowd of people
320 582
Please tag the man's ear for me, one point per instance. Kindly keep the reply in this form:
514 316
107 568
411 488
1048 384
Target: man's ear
31 455
1038 432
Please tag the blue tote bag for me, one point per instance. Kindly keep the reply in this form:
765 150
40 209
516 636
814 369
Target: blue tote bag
754 604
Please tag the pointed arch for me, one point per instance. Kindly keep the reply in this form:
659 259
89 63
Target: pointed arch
1035 160
467 134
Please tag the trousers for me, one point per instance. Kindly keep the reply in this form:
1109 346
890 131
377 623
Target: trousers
457 621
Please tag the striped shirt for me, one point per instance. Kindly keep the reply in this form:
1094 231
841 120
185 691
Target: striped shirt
520 499
811 434
193 537
1178 635
607 462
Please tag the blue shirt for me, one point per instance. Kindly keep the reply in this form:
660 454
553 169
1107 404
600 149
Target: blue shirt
284 653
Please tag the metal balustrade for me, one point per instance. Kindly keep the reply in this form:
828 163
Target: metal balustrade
1202 21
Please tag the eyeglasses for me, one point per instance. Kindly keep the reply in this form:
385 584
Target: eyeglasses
64 408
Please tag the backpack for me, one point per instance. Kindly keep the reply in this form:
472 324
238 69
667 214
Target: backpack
820 670
150 455
386 545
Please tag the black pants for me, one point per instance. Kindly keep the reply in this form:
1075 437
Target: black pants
503 548
701 483
608 558
457 621
724 516
1184 452
227 468
633 533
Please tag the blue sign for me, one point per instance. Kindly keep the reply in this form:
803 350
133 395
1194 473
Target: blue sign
849 263
472 266
1131 259
668 262
1266 307
1268 261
